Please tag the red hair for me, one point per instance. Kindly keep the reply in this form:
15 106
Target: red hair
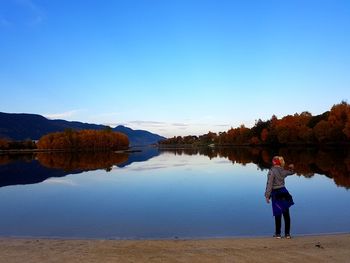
276 161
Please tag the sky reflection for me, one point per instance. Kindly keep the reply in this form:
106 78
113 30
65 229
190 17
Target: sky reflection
169 196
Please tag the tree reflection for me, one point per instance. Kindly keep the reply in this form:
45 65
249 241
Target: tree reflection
70 161
8 158
81 160
331 162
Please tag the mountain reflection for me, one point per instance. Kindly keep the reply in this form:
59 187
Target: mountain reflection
20 169
331 162
37 167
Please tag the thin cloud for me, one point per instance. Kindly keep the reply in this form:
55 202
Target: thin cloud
180 124
222 125
147 167
158 123
61 115
148 123
60 181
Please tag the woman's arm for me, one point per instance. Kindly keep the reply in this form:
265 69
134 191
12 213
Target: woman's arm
289 171
269 185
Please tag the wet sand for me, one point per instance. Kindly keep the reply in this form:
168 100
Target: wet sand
331 248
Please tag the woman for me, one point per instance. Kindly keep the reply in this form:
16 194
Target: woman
281 199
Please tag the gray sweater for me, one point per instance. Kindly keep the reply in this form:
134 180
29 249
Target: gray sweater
275 179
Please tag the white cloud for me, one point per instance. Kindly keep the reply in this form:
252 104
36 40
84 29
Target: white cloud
222 125
148 123
60 181
61 115
180 124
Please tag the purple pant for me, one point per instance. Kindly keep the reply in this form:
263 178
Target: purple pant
281 201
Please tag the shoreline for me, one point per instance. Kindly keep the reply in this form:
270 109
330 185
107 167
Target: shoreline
174 238
310 248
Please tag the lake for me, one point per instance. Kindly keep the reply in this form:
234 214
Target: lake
157 193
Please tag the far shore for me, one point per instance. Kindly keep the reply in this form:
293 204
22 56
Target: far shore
323 248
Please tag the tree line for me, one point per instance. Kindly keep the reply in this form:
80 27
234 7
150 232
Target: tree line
71 140
331 127
6 144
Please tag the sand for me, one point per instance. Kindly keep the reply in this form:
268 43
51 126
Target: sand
331 248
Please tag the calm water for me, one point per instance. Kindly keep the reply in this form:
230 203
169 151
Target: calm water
168 194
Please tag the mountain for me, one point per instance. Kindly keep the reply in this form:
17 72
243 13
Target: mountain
21 126
139 137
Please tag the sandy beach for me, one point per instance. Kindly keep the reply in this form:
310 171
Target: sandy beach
330 248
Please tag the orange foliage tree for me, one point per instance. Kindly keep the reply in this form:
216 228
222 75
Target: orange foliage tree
91 140
330 127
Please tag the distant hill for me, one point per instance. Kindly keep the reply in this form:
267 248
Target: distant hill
139 137
21 126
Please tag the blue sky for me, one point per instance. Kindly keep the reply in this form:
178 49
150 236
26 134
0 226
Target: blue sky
173 67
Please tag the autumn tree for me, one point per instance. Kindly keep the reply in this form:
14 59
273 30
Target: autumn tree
259 131
335 128
91 140
338 120
208 138
294 129
330 127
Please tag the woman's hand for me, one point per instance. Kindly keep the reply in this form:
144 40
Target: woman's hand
267 200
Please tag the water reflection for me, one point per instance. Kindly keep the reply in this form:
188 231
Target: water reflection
33 168
20 169
82 161
331 162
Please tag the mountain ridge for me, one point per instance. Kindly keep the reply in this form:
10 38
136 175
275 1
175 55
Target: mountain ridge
22 126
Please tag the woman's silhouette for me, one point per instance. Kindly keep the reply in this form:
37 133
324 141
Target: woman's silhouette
281 199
